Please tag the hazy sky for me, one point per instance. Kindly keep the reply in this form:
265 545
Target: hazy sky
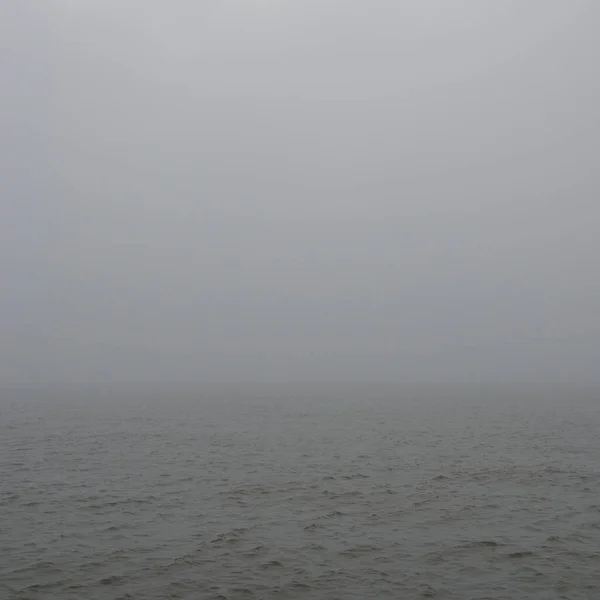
300 190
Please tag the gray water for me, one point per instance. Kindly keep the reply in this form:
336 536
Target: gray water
300 495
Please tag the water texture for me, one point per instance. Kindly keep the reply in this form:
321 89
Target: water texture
285 497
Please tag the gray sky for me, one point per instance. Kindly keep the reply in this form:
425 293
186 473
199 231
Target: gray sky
300 190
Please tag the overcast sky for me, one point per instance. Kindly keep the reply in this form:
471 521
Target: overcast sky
305 190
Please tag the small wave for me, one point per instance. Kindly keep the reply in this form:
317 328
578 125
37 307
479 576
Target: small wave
112 580
480 544
39 567
314 547
243 592
427 591
256 551
300 585
124 502
359 550
118 527
229 537
434 558
10 498
333 514
349 494
272 564
45 587
377 572
257 490
522 554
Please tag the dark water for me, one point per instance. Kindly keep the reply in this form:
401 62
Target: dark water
285 495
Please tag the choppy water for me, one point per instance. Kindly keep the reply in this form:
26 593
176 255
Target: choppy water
283 496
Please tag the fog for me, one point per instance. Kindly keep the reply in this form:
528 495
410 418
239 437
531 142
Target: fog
300 190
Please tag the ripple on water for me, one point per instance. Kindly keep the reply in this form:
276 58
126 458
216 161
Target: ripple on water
240 501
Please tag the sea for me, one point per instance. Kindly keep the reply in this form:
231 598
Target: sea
292 491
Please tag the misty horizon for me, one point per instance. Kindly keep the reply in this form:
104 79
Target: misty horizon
300 191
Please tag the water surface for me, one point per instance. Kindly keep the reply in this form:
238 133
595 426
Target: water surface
294 495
